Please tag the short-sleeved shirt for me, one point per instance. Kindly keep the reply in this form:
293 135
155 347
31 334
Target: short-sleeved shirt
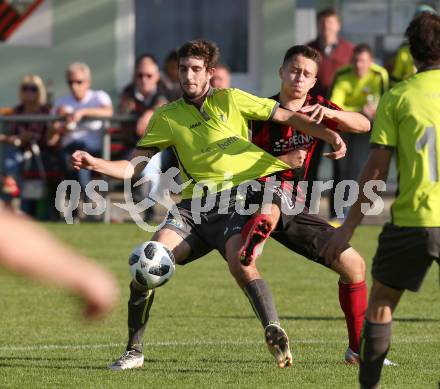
211 143
408 119
351 93
87 131
279 139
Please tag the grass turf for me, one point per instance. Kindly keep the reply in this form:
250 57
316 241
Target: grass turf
202 332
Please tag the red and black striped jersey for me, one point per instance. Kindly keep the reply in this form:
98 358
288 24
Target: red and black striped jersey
279 139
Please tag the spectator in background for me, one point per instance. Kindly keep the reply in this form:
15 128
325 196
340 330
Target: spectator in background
358 87
26 143
169 81
76 133
404 67
141 97
335 53
221 77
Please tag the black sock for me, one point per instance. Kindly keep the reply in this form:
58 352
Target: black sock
260 298
375 343
139 306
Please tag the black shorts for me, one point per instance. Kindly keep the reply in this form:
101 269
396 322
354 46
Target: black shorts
206 231
404 255
303 233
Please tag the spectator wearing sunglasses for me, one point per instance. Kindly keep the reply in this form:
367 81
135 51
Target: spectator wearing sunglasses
76 132
141 97
21 136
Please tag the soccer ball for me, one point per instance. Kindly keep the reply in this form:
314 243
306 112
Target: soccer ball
151 264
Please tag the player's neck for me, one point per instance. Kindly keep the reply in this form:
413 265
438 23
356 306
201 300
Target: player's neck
291 103
198 100
425 67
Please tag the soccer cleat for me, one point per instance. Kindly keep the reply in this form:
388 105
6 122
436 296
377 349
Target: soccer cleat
254 234
352 358
131 359
278 345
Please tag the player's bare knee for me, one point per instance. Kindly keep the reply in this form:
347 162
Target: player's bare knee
242 274
180 249
350 266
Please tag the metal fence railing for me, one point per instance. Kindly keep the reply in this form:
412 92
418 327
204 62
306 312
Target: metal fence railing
109 129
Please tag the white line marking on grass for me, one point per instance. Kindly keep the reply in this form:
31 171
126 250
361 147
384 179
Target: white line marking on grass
37 347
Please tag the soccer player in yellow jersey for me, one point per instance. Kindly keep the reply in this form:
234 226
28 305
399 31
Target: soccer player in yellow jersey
208 132
407 122
404 67
357 87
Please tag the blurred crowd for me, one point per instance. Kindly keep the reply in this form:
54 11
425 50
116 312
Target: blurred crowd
36 153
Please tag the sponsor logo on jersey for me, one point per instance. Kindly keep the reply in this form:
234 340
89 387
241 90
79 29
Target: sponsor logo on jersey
293 142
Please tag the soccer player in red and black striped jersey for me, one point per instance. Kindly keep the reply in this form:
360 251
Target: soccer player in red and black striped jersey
304 233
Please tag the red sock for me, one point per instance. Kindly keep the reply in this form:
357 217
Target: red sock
353 300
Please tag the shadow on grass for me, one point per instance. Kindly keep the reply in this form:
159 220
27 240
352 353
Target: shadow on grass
24 358
50 366
321 318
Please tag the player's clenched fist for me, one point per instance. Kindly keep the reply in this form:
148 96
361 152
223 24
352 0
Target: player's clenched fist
83 160
339 147
295 158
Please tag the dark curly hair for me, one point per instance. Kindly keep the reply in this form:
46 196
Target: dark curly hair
305 51
206 50
423 34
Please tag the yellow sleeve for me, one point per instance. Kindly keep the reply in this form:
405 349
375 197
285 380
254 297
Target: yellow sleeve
253 107
158 133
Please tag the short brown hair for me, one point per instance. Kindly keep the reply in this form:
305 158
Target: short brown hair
305 51
206 50
326 13
423 34
362 47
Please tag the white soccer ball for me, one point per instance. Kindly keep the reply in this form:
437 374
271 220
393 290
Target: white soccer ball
151 264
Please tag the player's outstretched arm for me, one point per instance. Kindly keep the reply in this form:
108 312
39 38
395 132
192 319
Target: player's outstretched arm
347 121
376 168
118 169
42 257
304 124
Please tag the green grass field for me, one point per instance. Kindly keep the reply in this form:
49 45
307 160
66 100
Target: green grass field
202 332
